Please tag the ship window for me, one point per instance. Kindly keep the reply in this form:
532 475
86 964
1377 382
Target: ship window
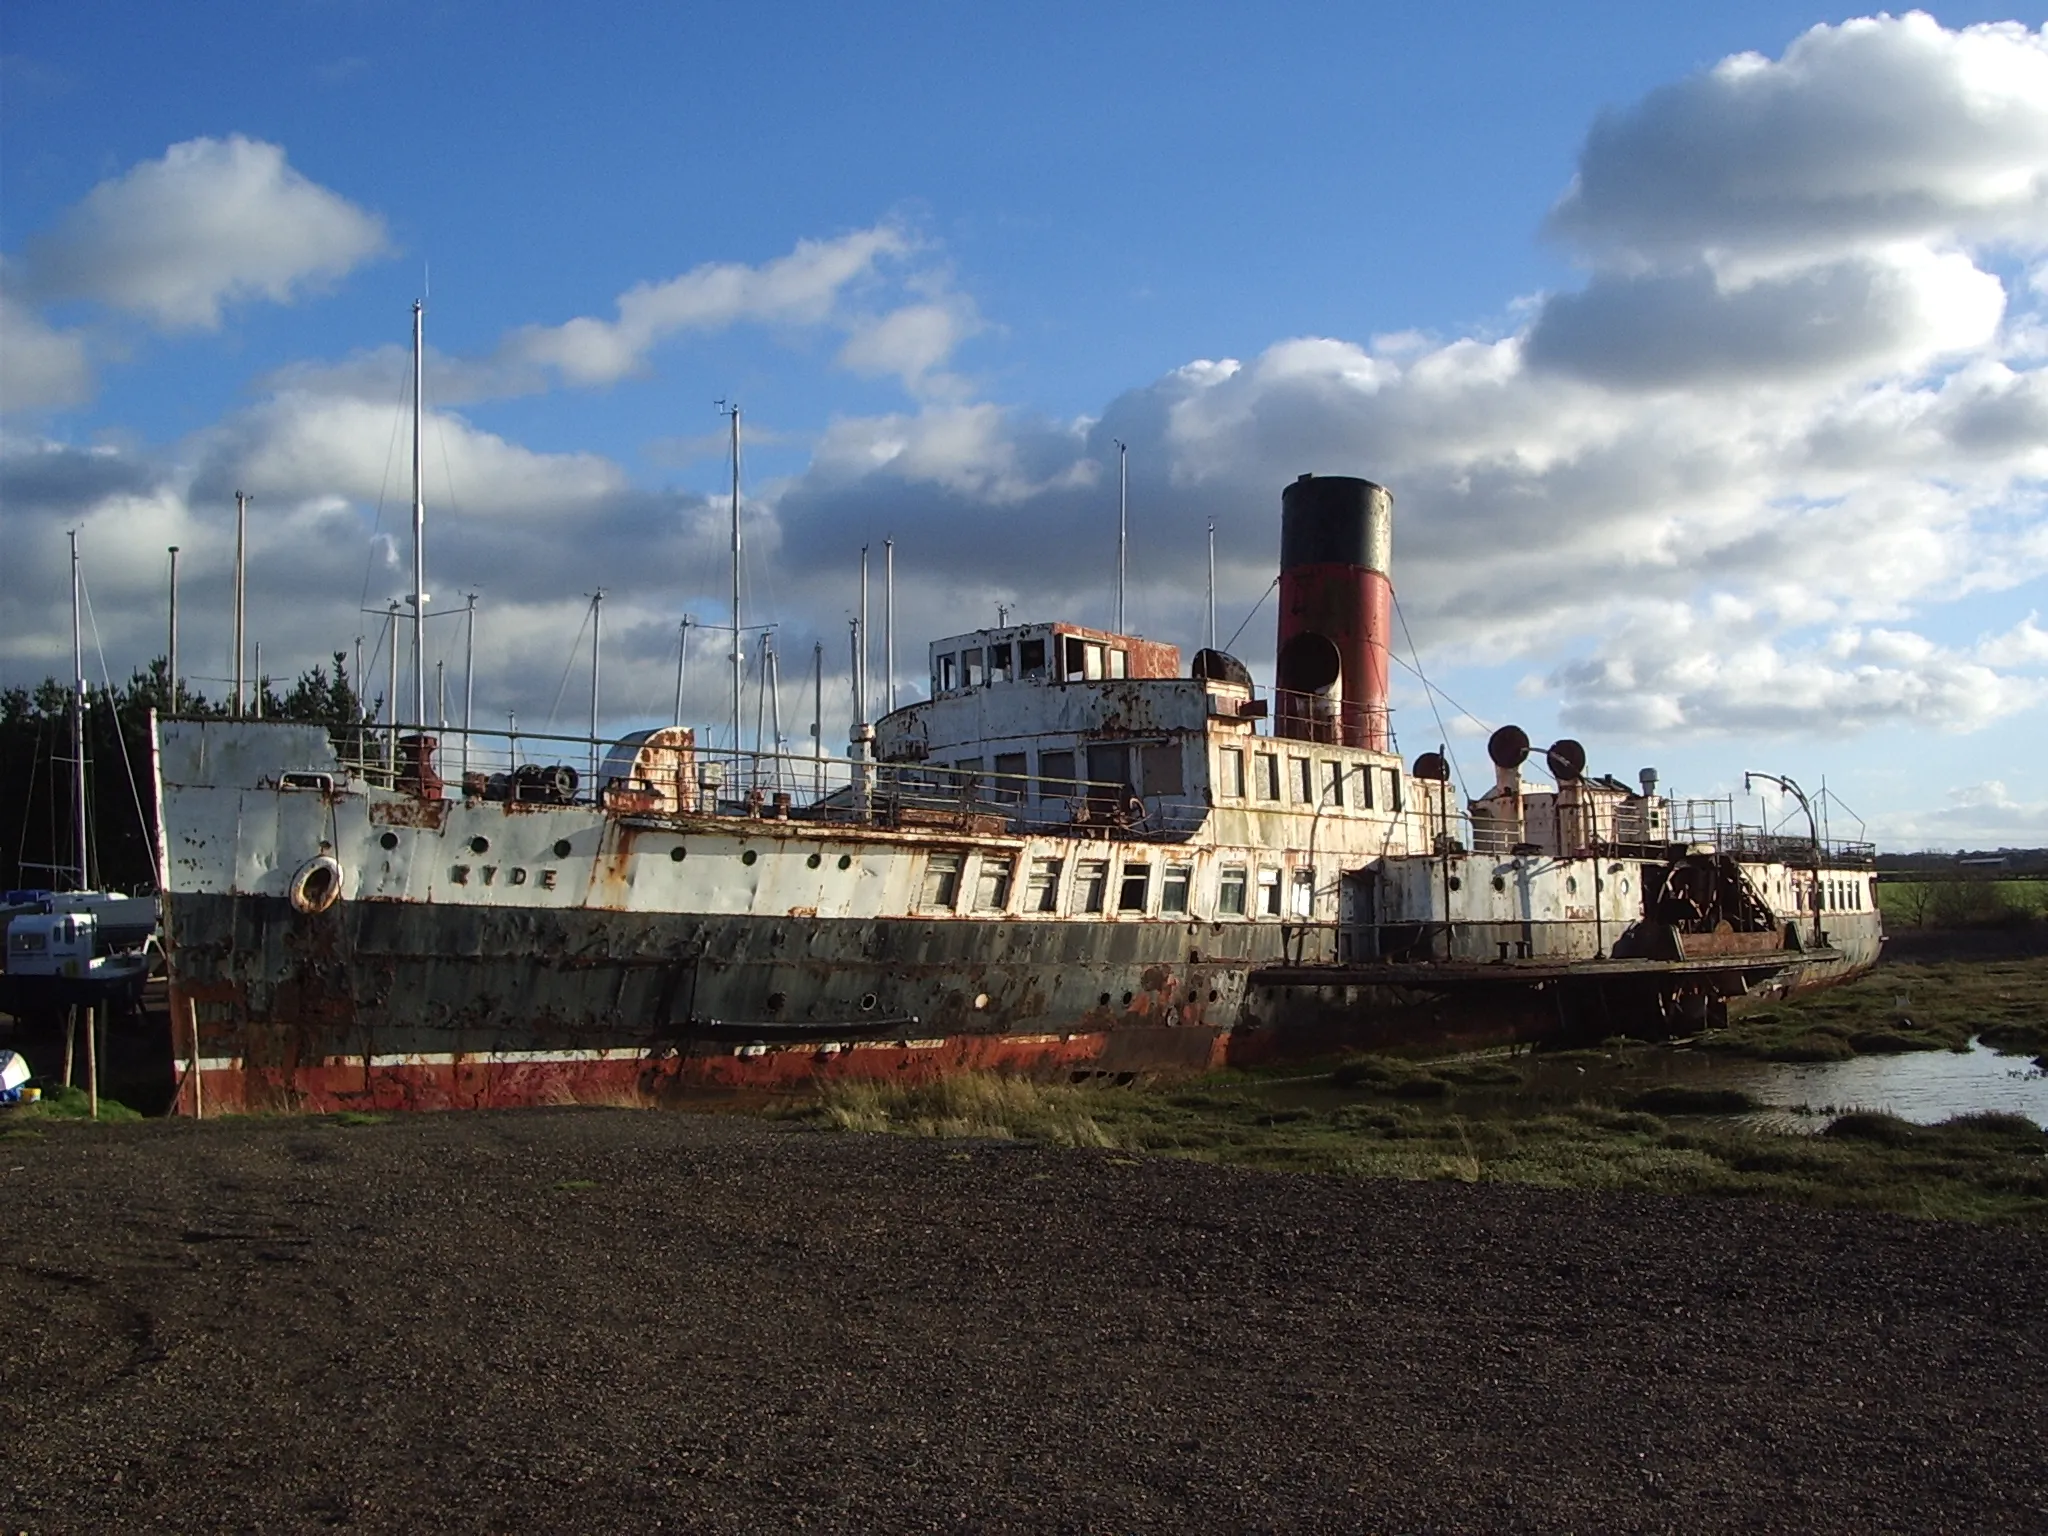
1091 661
944 682
941 881
970 667
1269 893
1055 775
1300 780
1393 789
1232 761
1173 888
1042 891
1136 889
1334 774
1230 891
1160 765
1074 661
1092 878
1364 787
992 889
1119 664
1304 892
999 663
968 776
1031 660
1012 777
1266 775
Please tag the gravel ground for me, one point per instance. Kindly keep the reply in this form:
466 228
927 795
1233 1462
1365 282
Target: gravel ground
629 1320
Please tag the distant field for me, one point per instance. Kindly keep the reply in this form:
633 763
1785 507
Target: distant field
1959 903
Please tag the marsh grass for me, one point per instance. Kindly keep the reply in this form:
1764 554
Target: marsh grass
1983 1168
72 1104
1899 1008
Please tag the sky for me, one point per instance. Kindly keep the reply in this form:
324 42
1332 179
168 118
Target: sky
1703 348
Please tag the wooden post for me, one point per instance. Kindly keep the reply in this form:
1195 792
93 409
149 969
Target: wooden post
198 1081
92 1068
70 1038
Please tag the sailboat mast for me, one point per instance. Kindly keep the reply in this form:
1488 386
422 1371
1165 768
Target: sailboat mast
84 879
738 680
1123 508
241 568
419 535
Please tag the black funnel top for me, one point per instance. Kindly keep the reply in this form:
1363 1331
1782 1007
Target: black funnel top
1327 520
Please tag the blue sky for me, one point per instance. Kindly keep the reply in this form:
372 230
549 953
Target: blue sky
1732 459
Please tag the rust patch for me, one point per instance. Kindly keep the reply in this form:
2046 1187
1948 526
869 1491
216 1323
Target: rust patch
430 814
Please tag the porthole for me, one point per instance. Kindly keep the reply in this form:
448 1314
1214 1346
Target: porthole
678 853
815 860
479 845
1212 994
777 1001
867 1002
1571 885
1624 886
1127 999
388 841
846 861
980 1001
1500 882
750 856
561 847
1455 883
1105 999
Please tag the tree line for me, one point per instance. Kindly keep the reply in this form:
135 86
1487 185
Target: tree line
38 810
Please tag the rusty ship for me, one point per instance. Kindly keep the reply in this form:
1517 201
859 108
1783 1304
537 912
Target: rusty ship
1074 857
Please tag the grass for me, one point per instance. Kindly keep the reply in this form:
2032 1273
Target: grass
1901 1008
72 1104
1961 903
1980 1168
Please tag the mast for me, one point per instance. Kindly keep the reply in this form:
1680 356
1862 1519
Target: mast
817 717
241 569
682 661
1123 508
772 682
78 729
1212 583
737 648
860 656
889 615
468 679
171 662
596 615
256 684
419 535
391 693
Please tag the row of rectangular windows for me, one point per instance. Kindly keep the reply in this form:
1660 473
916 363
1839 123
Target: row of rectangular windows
1079 661
1342 784
1236 894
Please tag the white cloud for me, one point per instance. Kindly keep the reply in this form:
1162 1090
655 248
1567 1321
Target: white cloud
212 222
44 367
1981 815
1879 130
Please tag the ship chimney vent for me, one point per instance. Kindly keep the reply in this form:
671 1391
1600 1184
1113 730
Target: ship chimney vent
1649 778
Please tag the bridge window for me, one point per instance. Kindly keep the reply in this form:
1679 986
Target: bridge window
1230 892
1304 892
1231 762
1173 888
1266 775
999 663
941 881
1042 889
1055 775
1333 773
1364 787
1393 789
1160 765
970 667
1012 777
1137 888
1031 660
1119 665
947 677
1091 877
1301 779
1269 893
992 890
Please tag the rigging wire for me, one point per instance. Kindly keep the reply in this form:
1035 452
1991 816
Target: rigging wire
120 736
563 687
1252 615
377 523
1430 691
